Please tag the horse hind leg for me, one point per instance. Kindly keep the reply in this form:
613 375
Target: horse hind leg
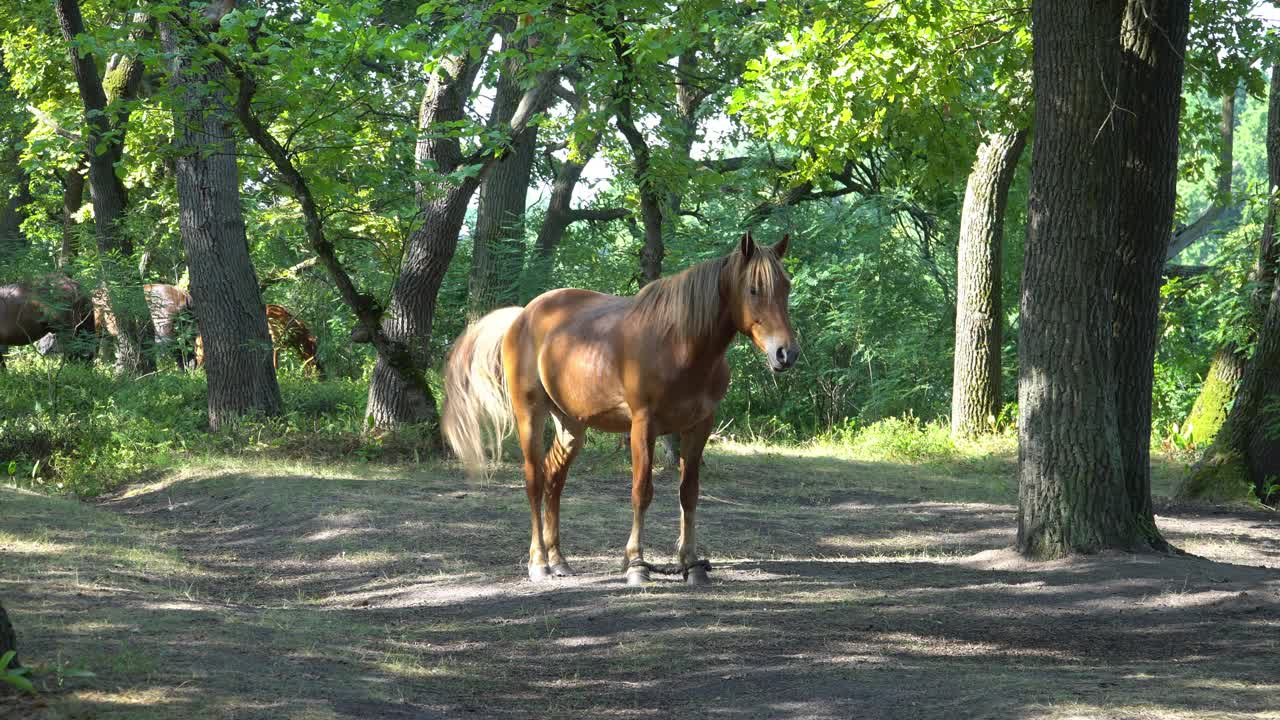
569 439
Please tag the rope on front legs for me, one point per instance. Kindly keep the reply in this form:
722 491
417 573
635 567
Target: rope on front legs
682 570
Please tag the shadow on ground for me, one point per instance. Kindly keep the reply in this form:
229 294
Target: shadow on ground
843 589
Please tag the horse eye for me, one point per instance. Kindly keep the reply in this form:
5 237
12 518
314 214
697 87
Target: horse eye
754 291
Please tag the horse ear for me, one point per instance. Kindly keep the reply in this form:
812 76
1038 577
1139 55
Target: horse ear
747 246
781 248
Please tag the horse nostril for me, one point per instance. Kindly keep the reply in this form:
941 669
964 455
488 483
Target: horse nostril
781 355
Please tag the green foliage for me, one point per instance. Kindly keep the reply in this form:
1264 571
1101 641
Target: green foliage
15 677
89 431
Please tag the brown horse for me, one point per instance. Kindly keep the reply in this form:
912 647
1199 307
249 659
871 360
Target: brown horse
56 304
167 305
649 365
287 332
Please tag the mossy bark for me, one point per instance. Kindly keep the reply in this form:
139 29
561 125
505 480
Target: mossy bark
1219 389
1245 455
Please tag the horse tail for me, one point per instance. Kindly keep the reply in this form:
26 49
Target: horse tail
477 407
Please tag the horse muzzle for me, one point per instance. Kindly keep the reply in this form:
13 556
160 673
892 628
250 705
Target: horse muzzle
782 357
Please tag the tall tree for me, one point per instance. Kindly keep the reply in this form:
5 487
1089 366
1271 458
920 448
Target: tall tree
1245 455
407 321
1152 47
977 377
224 286
497 256
1091 269
105 120
1227 366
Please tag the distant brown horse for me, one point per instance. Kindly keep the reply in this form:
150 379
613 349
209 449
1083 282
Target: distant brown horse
287 332
649 365
167 305
56 304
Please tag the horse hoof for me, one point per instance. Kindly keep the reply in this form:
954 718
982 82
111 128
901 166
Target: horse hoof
637 577
538 572
697 576
562 569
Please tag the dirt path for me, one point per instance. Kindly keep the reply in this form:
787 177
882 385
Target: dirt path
272 591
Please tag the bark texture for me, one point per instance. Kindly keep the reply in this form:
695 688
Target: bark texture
976 376
1219 389
224 286
1152 44
498 248
409 315
1073 486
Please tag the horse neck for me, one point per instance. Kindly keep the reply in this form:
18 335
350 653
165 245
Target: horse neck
710 345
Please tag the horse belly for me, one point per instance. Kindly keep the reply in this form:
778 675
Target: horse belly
583 384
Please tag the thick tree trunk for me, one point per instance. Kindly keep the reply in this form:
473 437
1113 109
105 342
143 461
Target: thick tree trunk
1071 478
976 378
409 315
407 321
498 248
224 286
1219 389
1245 456
104 141
1153 40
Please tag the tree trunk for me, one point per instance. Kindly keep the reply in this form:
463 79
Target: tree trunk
976 378
12 239
407 321
104 141
1227 367
556 223
408 318
8 638
1226 152
498 248
1244 458
1071 493
1153 39
224 286
1219 389
72 200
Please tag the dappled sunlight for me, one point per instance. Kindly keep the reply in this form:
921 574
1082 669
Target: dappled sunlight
412 590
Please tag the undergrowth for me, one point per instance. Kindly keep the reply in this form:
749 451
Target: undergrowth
76 429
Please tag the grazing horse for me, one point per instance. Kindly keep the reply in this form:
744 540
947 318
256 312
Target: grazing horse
30 311
168 305
649 365
287 332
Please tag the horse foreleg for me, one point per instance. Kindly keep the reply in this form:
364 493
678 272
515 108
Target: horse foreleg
569 439
692 441
641 495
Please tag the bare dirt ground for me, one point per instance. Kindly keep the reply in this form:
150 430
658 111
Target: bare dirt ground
842 589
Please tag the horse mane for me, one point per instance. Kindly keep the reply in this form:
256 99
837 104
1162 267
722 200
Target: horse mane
687 305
